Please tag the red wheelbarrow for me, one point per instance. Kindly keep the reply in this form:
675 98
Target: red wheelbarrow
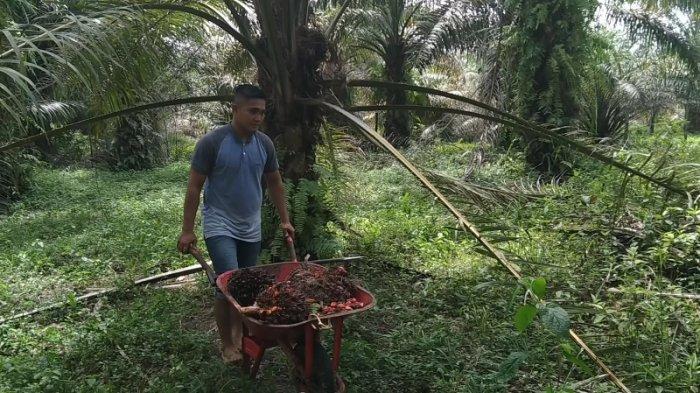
299 341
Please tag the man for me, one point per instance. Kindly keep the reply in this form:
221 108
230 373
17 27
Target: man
231 162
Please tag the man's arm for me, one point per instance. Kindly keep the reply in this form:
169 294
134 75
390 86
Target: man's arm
194 189
276 189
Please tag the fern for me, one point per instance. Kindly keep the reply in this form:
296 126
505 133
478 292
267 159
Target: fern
310 211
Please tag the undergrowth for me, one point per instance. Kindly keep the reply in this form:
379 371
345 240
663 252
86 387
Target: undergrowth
445 319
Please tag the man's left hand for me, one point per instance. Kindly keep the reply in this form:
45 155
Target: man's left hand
288 229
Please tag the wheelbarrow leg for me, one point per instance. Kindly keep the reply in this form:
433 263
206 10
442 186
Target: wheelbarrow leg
246 355
297 362
337 338
256 366
254 351
309 337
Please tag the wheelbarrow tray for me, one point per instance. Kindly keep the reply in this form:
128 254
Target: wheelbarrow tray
291 332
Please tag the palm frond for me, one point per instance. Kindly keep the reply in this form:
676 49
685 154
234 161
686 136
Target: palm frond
244 16
444 29
683 5
465 225
652 29
139 108
483 196
330 31
246 41
72 46
57 111
607 106
14 10
541 133
28 41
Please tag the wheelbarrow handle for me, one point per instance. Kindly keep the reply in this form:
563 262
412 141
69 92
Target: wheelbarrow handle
211 275
290 246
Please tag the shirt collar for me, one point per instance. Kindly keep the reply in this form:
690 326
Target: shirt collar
237 138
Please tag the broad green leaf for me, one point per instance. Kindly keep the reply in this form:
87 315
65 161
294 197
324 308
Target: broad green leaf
539 287
526 281
555 319
510 366
524 317
570 354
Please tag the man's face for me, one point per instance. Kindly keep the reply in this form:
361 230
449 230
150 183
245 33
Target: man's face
249 114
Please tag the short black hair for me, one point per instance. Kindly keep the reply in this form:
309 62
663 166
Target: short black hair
247 91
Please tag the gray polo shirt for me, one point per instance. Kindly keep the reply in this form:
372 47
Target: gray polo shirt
233 189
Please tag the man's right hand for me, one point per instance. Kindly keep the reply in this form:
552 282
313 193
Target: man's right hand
186 240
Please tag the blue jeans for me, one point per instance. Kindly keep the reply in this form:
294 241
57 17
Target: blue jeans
228 253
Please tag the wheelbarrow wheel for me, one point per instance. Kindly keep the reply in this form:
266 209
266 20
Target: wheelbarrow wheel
323 379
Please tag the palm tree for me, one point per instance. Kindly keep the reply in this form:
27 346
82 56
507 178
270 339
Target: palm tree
289 51
68 63
523 73
628 84
547 41
691 92
406 35
652 23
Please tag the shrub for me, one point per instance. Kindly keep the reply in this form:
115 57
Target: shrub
138 143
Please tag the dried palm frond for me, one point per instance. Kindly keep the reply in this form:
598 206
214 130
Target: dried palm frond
574 140
484 196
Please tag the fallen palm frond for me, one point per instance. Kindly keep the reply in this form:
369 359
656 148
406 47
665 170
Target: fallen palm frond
377 139
101 292
465 224
185 271
540 133
485 196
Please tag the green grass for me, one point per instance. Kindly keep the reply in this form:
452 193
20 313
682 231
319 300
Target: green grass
444 326
151 340
87 228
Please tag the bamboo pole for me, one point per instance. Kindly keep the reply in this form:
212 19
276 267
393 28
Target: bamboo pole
599 362
149 280
691 296
464 223
95 294
54 306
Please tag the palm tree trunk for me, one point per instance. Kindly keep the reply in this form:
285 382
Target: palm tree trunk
692 117
652 121
298 52
296 137
397 124
294 127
